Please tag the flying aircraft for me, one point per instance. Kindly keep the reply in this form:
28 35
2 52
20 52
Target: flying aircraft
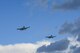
51 36
23 28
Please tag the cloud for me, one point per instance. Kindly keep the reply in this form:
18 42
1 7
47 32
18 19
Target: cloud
71 28
74 29
77 50
22 47
54 47
72 4
69 45
66 28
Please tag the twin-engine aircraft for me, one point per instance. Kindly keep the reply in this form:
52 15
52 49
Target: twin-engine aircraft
51 36
23 28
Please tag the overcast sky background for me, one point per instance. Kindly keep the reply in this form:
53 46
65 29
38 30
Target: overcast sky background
45 17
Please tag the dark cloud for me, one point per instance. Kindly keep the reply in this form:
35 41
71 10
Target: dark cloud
78 39
71 28
73 47
72 4
74 29
77 50
66 28
54 47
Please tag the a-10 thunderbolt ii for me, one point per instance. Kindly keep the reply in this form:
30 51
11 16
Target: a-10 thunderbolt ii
23 28
51 36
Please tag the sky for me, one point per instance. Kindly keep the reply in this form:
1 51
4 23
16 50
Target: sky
45 17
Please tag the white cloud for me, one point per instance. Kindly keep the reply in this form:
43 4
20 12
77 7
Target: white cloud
22 48
69 45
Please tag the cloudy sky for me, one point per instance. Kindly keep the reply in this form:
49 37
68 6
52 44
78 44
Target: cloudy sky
45 17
